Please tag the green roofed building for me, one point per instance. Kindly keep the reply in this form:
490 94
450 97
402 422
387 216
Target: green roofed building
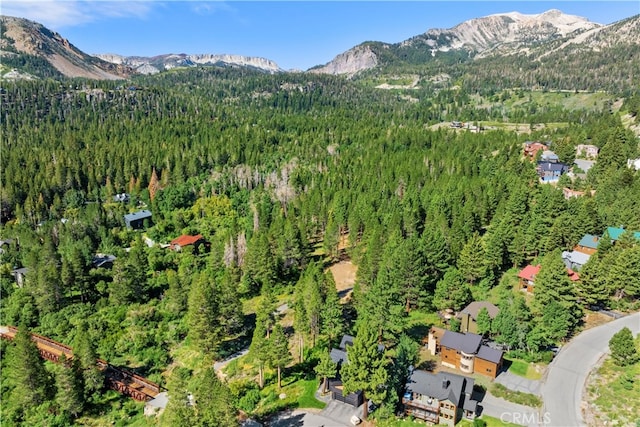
616 232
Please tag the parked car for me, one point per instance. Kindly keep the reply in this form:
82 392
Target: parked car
355 420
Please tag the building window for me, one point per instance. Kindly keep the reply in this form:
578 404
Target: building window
489 370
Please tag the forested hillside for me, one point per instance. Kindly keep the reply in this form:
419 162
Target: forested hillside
282 175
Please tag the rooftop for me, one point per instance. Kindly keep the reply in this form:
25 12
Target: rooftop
529 272
338 356
616 232
441 386
576 257
138 215
474 308
555 167
186 240
490 354
160 401
467 343
589 241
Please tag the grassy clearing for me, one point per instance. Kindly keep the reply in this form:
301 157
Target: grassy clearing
491 422
527 399
405 422
419 323
296 394
524 369
614 395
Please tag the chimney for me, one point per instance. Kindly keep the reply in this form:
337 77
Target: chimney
445 383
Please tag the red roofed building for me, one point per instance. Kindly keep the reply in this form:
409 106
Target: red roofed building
573 276
528 274
185 240
527 277
531 149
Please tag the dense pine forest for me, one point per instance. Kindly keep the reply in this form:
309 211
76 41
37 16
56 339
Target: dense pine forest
283 176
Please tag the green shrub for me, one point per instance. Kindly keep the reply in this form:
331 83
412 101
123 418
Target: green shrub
249 401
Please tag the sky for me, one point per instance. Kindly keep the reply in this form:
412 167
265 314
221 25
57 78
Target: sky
294 34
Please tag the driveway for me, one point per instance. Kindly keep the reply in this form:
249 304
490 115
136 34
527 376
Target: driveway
567 373
335 414
300 418
517 383
510 412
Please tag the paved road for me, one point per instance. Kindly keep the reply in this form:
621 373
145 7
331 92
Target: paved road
566 375
518 383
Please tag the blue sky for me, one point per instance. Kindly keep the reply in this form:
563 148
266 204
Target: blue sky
295 34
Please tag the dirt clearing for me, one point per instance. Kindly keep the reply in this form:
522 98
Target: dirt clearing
344 274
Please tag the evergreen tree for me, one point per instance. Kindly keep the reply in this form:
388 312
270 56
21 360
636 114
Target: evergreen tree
382 307
70 389
26 373
553 284
130 276
483 321
213 401
438 257
331 316
179 411
623 276
623 348
326 368
405 355
260 268
452 291
471 261
84 352
278 350
203 316
366 370
592 288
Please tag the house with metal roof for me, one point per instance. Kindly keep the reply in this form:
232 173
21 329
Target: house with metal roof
616 232
575 260
185 240
136 220
588 244
465 351
527 277
528 274
441 398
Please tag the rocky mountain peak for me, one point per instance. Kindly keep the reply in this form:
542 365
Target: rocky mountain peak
502 33
22 36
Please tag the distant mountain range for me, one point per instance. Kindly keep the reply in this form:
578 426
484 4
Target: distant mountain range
530 38
155 64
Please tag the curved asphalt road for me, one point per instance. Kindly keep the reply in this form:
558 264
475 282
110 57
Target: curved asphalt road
566 376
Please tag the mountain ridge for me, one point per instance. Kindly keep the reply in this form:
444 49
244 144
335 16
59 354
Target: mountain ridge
501 33
551 38
26 37
157 63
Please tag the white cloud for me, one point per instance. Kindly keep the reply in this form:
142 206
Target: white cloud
210 7
56 14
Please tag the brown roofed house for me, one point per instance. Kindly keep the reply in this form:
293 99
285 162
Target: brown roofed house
467 353
469 315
